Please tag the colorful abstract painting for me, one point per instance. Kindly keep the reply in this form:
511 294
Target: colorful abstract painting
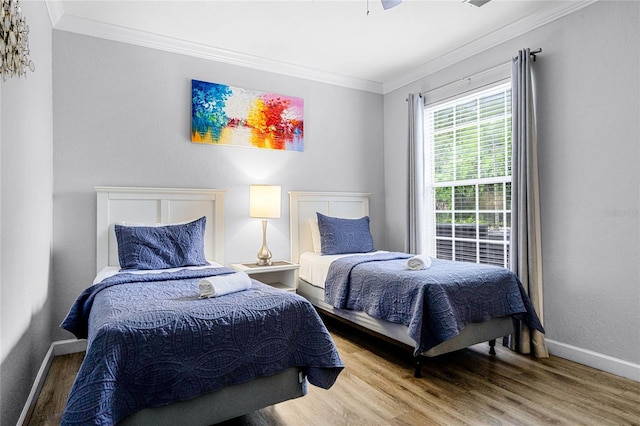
226 115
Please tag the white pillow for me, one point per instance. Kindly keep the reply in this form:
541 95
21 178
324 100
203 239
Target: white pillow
315 236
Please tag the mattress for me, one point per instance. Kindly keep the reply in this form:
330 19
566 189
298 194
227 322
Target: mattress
314 267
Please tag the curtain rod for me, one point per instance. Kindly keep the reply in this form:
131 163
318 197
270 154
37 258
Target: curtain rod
531 53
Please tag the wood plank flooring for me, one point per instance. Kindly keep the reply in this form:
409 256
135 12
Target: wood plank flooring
468 387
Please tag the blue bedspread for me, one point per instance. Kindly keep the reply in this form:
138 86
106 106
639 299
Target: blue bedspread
434 303
152 341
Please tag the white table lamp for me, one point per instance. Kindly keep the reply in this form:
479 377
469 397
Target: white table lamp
264 202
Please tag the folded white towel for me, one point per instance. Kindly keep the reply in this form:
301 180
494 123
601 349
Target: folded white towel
418 262
220 285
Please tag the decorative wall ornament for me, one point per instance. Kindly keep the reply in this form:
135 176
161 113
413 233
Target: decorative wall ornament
14 41
226 115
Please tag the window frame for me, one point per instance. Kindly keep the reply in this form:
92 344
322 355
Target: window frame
482 238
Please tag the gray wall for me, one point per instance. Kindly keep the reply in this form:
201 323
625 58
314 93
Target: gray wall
26 138
588 122
122 117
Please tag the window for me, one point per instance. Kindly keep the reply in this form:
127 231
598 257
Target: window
468 149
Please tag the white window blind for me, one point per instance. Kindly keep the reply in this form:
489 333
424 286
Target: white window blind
468 149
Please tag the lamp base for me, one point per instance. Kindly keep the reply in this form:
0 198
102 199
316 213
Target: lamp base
264 262
264 255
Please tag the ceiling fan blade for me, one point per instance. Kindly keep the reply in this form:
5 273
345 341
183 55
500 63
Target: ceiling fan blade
388 4
478 3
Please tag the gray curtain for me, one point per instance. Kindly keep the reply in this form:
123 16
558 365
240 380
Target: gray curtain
526 250
416 226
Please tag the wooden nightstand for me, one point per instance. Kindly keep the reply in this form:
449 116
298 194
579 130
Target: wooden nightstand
280 274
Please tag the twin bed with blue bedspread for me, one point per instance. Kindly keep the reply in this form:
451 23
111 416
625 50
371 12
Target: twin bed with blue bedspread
435 303
444 307
153 341
157 351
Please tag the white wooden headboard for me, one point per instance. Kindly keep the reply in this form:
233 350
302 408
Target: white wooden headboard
157 205
304 205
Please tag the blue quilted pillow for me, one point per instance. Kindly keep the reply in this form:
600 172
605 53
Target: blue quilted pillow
161 247
340 236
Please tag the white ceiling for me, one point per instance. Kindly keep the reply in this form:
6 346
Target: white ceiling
325 40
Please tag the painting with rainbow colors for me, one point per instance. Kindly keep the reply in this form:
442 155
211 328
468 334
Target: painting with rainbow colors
226 115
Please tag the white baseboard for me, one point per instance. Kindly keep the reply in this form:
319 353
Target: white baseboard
596 360
71 346
61 347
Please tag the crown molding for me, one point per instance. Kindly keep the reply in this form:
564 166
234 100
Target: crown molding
54 7
63 22
169 44
493 39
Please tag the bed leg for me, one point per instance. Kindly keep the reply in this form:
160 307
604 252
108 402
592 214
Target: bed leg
492 346
418 364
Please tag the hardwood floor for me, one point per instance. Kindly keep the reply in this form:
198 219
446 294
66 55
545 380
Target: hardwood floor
55 390
468 387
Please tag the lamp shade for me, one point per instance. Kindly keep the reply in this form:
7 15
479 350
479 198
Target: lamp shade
264 201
